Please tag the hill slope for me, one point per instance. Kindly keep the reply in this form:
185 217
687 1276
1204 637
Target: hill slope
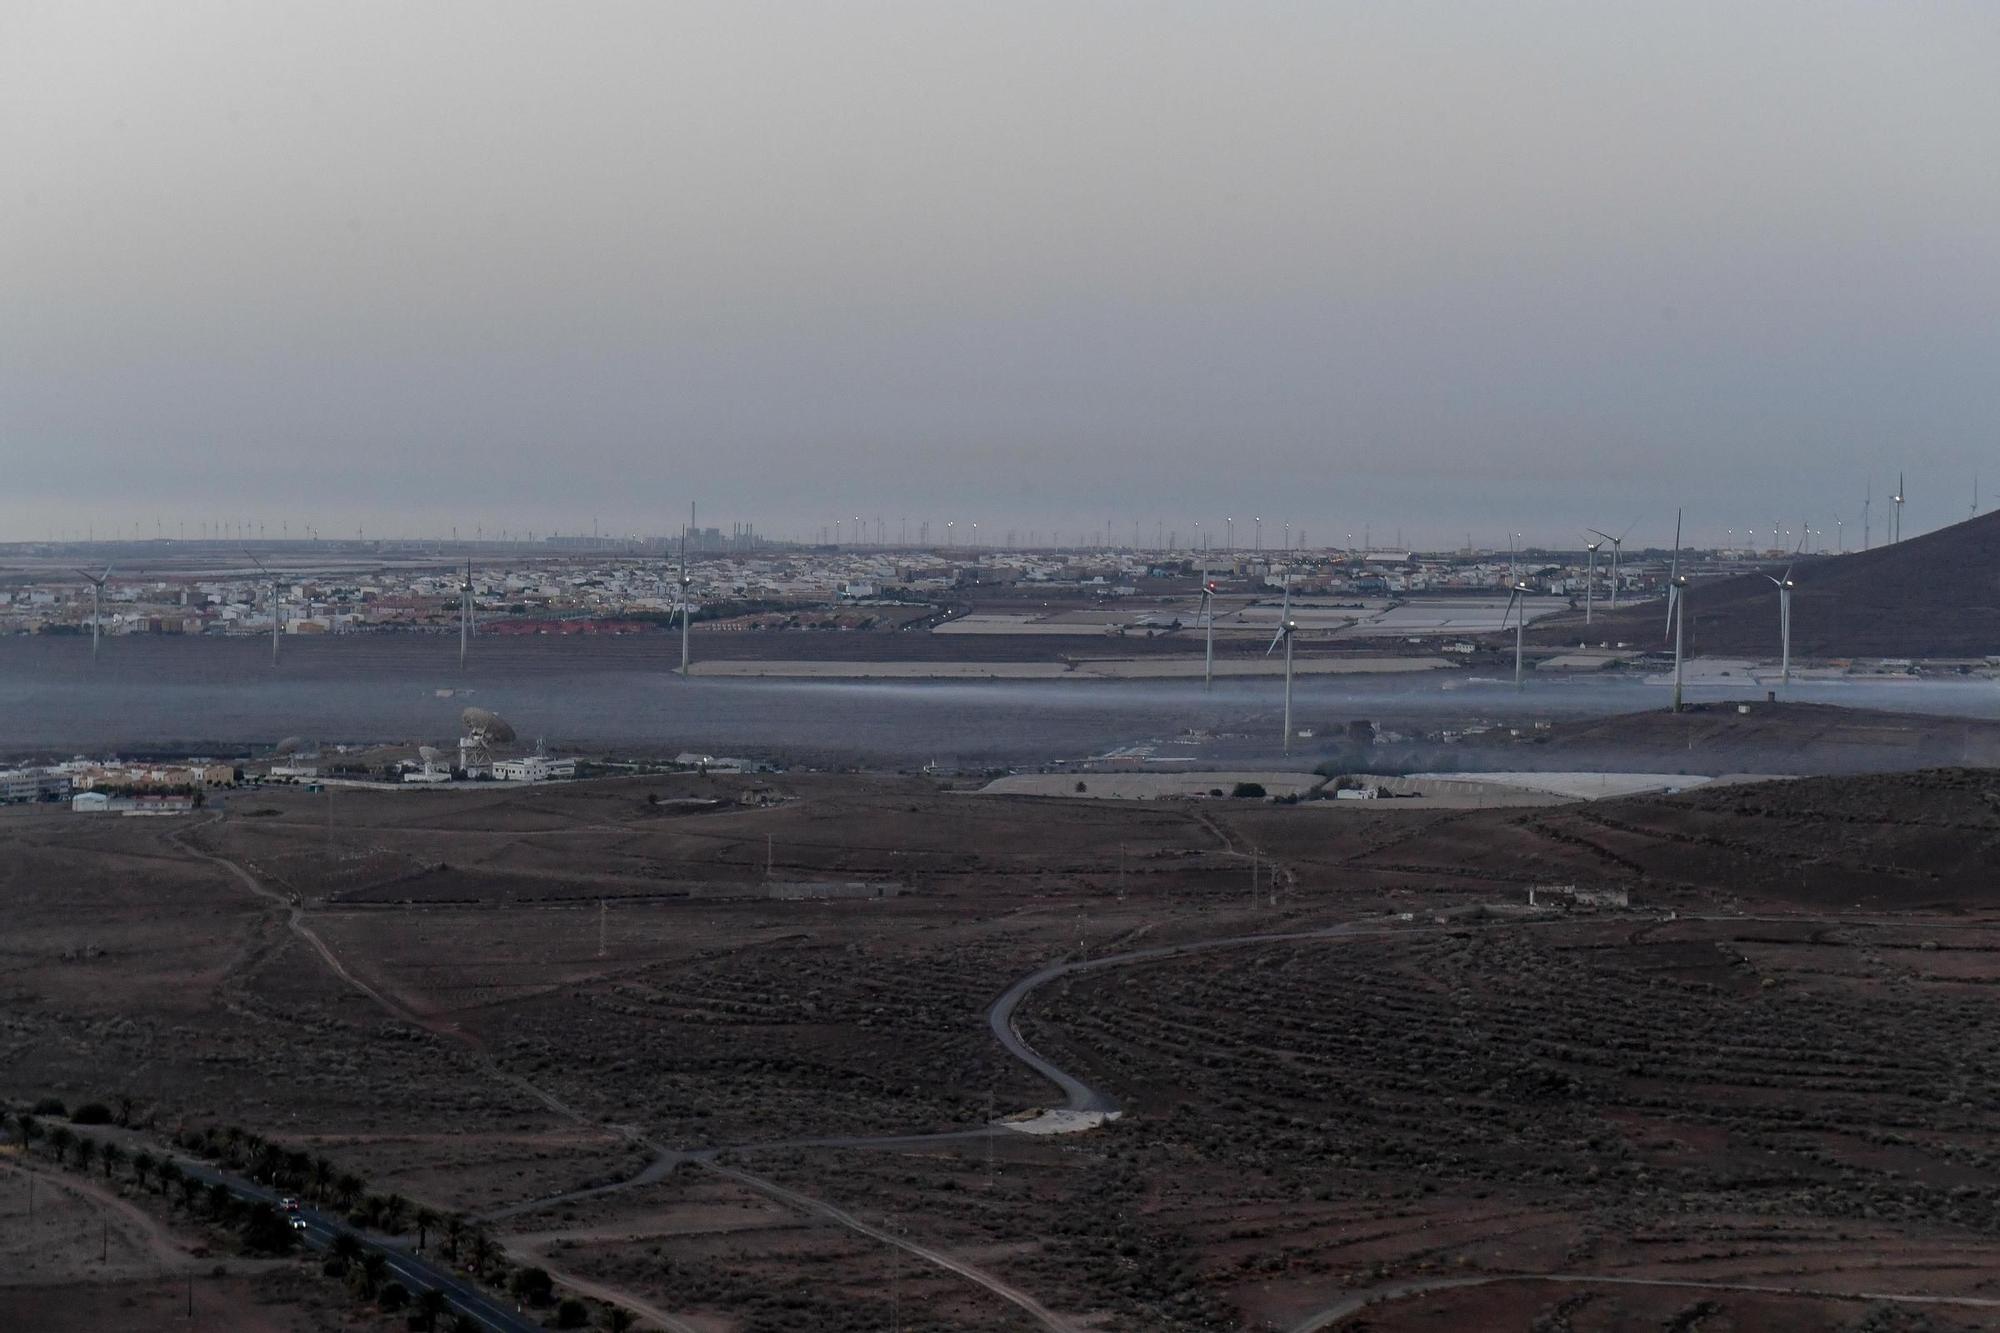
1937 595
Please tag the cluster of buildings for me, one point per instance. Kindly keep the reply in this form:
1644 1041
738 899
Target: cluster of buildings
583 586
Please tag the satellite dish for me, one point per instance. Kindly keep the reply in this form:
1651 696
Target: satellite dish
289 745
428 753
483 722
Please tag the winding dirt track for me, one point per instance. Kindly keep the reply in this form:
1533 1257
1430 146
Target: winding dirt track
1080 1096
665 1158
1348 1306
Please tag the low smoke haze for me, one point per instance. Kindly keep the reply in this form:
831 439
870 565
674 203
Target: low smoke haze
1437 269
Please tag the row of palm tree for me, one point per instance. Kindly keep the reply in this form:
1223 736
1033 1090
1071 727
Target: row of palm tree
313 1177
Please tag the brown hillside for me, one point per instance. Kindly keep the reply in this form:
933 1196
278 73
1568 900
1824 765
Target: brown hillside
1937 595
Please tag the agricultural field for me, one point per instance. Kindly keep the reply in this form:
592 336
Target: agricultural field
731 1065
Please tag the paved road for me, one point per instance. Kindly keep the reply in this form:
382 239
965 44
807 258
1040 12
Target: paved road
413 1271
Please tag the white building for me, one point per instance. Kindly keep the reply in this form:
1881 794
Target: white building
535 768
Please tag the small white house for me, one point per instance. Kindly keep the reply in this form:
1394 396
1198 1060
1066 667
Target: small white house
90 803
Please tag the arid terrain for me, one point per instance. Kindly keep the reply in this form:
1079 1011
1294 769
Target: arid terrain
730 1067
1929 596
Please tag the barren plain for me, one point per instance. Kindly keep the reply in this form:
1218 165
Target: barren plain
737 1068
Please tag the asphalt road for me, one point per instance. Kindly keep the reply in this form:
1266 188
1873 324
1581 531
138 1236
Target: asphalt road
414 1272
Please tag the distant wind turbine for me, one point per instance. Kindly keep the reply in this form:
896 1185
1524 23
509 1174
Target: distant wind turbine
275 618
464 615
1784 586
1518 610
1898 511
97 582
684 595
1208 650
1590 583
1617 545
1676 608
1284 636
1674 570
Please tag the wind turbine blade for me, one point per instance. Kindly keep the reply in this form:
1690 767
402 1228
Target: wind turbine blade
1628 530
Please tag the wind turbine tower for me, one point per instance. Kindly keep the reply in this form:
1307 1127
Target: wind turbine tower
1208 649
1519 610
1784 586
1590 583
464 615
1899 508
1676 603
276 614
1617 545
684 594
1284 636
97 582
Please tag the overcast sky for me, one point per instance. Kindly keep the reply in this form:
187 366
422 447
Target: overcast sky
1434 269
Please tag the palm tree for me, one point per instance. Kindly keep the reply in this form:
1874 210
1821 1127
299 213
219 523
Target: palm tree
298 1168
86 1152
125 1106
321 1178
30 1128
142 1166
426 1219
454 1228
482 1251
60 1138
348 1189
618 1319
345 1248
112 1156
270 1160
170 1174
232 1138
373 1265
431 1304
190 1191
394 1209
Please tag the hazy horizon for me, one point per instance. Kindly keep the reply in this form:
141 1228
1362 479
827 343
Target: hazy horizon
1425 268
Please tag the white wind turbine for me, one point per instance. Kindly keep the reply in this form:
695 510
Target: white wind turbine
276 618
1897 499
97 582
1284 636
464 615
1617 545
1676 597
1208 650
1519 612
1590 584
1676 605
685 584
1674 570
1784 586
